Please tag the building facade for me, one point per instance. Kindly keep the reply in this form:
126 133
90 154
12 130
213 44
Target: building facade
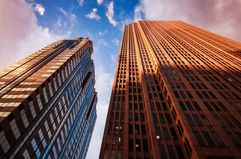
176 94
48 102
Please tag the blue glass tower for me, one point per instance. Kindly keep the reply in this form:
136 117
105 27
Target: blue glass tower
48 102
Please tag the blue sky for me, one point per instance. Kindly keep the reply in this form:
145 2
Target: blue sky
106 36
28 25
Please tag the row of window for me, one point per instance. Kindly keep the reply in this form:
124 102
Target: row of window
33 111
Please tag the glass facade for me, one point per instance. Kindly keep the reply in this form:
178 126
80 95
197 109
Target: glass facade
48 102
176 94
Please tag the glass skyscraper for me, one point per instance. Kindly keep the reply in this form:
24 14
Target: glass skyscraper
176 94
48 102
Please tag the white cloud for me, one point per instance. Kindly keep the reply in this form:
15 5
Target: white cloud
100 33
20 32
103 42
125 21
58 23
81 2
110 14
104 80
220 16
114 58
64 12
115 41
100 1
138 12
93 14
39 8
65 22
69 16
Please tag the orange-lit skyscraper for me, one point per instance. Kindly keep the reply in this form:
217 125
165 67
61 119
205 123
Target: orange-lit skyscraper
176 94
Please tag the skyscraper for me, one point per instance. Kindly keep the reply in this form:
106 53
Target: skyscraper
48 102
176 94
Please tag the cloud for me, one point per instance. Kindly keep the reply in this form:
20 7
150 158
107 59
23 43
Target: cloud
59 23
93 14
138 12
103 85
20 32
220 16
114 58
65 22
100 1
110 14
103 42
81 2
69 16
125 21
64 12
100 33
39 8
115 41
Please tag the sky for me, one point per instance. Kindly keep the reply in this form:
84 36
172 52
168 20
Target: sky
28 25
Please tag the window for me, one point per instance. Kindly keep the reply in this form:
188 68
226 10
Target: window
130 129
217 139
189 94
199 94
165 132
206 95
162 151
4 142
233 139
180 152
205 120
142 117
50 89
164 105
136 117
138 145
39 102
32 110
183 94
187 147
14 128
145 145
189 119
189 105
196 106
179 127
24 118
143 129
45 95
173 132
130 115
222 106
208 138
137 129
55 84
55 153
130 145
208 106
40 133
171 151
34 145
182 105
199 138
197 119
26 154
176 94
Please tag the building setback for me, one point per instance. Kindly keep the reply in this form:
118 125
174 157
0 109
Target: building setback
48 102
176 94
